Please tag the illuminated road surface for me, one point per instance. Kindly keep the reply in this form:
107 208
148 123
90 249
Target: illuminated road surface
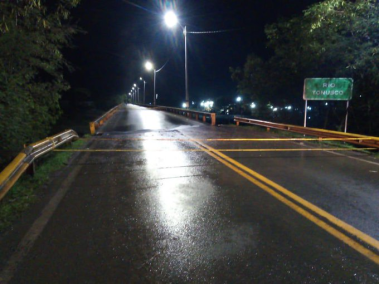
152 201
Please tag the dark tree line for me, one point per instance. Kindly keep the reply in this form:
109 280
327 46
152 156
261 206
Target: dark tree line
333 38
32 36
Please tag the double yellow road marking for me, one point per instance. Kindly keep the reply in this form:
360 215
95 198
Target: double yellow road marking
229 139
361 242
219 150
340 229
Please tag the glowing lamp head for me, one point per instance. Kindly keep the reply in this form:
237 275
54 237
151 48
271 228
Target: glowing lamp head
149 66
170 19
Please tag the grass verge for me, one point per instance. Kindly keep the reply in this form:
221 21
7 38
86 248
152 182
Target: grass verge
26 189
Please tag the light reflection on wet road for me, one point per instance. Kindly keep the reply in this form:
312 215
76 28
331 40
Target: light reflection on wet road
169 216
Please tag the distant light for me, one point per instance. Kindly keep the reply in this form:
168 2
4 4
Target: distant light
271 107
326 104
275 109
288 107
193 102
135 85
309 117
309 108
208 104
170 19
239 99
184 105
140 78
253 105
149 66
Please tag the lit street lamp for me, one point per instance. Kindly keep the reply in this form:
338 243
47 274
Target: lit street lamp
149 66
171 21
144 89
134 94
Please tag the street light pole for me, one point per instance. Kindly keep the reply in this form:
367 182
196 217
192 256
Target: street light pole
144 89
149 66
185 64
155 96
171 21
135 92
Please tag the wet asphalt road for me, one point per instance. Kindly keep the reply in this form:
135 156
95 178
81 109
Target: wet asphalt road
169 214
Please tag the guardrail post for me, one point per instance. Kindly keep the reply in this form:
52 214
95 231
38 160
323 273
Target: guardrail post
92 128
237 123
204 118
26 158
31 169
100 121
213 118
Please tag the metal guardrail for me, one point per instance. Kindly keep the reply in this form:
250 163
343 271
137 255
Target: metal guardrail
358 139
23 160
190 113
94 125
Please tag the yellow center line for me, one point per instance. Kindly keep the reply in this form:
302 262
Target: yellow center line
230 139
220 150
259 180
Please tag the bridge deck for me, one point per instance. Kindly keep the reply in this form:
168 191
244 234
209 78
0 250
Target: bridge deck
152 200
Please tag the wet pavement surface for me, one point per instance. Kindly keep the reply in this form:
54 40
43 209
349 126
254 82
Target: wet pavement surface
165 212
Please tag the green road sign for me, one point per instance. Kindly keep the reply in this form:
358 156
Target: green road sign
328 89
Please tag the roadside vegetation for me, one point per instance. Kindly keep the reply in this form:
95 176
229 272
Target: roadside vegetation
32 37
27 189
332 39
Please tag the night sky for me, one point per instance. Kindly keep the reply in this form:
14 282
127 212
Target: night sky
121 35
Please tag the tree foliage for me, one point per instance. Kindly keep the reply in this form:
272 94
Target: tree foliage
333 38
32 36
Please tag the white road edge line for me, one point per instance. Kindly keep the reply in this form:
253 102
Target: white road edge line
340 154
38 226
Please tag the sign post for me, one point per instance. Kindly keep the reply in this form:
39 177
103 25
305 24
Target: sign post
328 89
347 114
305 113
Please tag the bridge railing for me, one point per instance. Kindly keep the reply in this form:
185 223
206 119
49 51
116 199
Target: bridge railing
94 125
358 139
193 114
26 158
